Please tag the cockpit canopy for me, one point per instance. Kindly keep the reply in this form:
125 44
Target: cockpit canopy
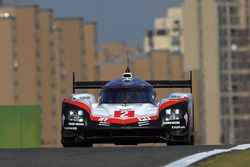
128 95
137 91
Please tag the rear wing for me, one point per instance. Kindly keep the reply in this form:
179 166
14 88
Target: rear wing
154 83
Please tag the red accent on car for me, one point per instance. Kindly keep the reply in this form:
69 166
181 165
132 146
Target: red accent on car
172 102
122 120
117 120
124 114
78 104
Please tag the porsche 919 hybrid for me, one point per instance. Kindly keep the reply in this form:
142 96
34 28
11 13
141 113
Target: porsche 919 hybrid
127 112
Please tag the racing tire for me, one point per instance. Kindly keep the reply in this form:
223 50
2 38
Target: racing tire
68 145
86 144
191 141
172 143
188 140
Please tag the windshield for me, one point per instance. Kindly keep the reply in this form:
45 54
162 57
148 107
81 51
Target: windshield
128 95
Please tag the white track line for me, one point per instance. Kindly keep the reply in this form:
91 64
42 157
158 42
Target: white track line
186 161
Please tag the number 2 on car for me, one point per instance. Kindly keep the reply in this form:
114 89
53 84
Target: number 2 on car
124 114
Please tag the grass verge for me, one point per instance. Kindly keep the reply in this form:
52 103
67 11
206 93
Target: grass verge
230 159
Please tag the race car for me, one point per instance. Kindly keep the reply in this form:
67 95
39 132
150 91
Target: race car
128 112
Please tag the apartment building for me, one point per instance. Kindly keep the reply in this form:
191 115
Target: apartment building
9 65
216 43
38 56
166 34
90 48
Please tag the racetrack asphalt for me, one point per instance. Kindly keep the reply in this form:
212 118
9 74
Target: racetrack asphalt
148 156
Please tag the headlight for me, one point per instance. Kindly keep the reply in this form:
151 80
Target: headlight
172 114
76 116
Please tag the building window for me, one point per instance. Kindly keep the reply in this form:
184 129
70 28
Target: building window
234 65
234 33
224 86
15 65
235 99
223 55
176 41
15 83
53 85
38 82
161 32
150 34
39 97
53 99
223 32
223 42
234 77
16 98
222 10
234 88
234 20
233 10
224 77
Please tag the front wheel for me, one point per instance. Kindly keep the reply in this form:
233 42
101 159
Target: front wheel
187 140
84 144
191 140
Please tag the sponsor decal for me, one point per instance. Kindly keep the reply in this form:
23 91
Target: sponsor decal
84 97
102 119
70 128
125 107
178 127
143 123
76 124
186 118
144 118
104 124
124 114
172 123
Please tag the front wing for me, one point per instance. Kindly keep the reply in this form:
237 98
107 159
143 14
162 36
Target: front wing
104 130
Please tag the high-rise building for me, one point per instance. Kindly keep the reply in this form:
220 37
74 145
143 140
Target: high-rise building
166 34
8 64
112 59
24 48
47 75
216 43
90 43
38 56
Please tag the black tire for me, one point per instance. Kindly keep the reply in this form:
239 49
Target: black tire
172 143
86 144
68 145
188 140
191 142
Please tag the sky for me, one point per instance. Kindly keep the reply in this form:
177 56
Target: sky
117 20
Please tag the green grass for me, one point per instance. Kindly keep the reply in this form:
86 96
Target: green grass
230 159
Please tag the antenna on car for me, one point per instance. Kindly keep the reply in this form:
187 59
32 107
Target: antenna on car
127 75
